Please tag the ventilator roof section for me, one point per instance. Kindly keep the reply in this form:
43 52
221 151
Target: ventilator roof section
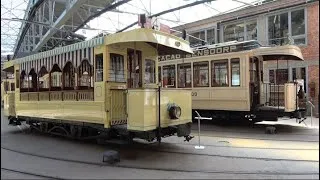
164 42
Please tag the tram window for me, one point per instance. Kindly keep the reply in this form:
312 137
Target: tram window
99 67
150 71
201 74
69 76
56 78
219 73
169 76
271 76
184 75
235 72
17 79
294 75
6 86
43 79
281 76
12 87
116 73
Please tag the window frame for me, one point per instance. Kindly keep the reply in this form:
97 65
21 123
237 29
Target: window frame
220 61
194 64
98 67
214 27
117 68
175 75
289 11
245 23
185 74
154 80
232 60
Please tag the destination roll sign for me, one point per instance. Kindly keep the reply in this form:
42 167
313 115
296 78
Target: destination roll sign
205 51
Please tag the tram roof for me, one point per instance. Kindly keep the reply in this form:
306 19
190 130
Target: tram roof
165 43
286 52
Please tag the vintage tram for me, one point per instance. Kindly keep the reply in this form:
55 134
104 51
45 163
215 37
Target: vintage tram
227 82
102 88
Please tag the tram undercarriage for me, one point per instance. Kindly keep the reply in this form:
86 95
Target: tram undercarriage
90 131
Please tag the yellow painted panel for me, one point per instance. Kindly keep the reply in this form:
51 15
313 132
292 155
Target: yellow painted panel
118 106
9 104
82 111
222 98
143 108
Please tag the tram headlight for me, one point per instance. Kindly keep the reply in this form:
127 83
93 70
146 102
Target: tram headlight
174 111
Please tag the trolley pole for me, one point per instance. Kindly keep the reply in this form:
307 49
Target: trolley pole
200 118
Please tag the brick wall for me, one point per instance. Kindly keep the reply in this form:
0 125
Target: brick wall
311 52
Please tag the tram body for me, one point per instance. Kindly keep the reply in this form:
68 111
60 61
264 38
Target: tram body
227 81
105 87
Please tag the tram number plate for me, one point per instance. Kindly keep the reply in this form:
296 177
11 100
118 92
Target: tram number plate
194 94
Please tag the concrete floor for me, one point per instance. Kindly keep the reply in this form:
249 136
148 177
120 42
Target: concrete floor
231 152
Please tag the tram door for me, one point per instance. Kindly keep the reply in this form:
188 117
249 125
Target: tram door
254 82
134 78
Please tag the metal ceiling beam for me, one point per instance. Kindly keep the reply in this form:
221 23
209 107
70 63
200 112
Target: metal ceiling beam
168 11
107 8
30 15
59 22
249 4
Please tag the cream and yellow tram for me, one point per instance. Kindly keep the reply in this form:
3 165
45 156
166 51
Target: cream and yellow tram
227 80
101 88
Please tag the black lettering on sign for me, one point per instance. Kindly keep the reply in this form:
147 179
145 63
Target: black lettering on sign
212 51
194 94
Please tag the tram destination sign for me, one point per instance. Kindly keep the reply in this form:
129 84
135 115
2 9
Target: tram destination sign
205 51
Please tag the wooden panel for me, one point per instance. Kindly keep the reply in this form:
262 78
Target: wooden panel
118 107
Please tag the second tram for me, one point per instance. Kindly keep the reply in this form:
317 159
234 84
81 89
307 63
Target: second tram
227 81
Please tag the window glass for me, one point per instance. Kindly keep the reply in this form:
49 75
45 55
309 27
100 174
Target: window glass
196 42
210 36
251 30
116 72
201 74
6 86
169 76
43 79
99 67
150 71
12 87
184 75
278 29
235 72
298 22
85 75
233 32
271 76
219 70
56 79
69 76
17 76
281 76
